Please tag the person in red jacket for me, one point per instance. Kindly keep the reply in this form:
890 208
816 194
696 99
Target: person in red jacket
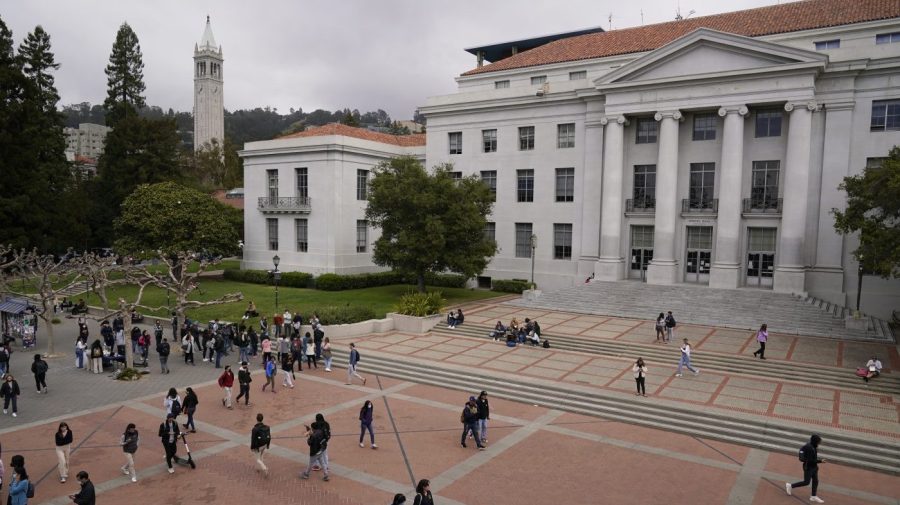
226 380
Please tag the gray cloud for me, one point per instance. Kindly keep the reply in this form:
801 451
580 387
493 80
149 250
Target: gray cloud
364 54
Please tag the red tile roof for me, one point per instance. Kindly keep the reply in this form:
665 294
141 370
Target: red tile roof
791 17
360 133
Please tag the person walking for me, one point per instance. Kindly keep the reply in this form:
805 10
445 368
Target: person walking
366 415
39 368
326 353
423 493
18 486
270 373
63 441
469 419
4 359
172 403
297 351
670 326
399 499
260 438
96 356
226 382
326 434
163 350
168 434
351 366
309 347
287 370
80 348
686 359
761 336
190 407
266 348
661 328
87 495
315 438
639 369
188 346
129 443
244 381
809 455
484 414
10 392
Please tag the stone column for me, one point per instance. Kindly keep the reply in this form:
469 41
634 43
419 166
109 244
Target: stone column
663 268
726 268
611 265
590 197
790 268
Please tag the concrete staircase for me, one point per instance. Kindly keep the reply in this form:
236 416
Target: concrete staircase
666 356
851 449
728 308
874 325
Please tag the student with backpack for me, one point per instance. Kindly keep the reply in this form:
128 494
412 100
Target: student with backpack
244 381
809 456
163 349
260 438
172 403
20 489
670 326
315 438
270 373
39 368
351 367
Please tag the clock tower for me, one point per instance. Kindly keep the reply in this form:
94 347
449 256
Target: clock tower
209 105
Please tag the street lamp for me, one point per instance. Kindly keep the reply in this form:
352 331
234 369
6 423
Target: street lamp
277 276
533 246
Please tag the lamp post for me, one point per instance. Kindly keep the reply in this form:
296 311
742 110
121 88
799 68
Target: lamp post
859 280
533 246
276 275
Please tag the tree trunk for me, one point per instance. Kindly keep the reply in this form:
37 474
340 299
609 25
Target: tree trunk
420 281
129 356
49 326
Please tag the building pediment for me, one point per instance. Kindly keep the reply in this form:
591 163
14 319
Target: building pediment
705 54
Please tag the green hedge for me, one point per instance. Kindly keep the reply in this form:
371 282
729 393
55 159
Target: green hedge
509 285
289 279
335 282
345 314
442 280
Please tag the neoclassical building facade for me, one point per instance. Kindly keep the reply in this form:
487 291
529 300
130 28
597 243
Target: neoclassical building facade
706 150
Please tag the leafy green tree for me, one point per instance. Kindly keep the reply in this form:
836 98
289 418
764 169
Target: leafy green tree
429 222
397 129
349 118
14 201
873 211
124 77
215 166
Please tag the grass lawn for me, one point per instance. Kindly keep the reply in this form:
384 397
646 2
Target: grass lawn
381 299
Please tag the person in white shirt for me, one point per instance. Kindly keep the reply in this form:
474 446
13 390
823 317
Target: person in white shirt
686 359
874 366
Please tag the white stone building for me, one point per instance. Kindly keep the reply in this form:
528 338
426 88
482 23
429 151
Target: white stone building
209 83
305 197
88 140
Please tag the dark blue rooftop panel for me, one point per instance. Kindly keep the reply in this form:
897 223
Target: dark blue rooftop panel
501 50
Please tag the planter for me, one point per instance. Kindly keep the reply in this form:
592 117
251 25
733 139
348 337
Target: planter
413 324
855 322
531 294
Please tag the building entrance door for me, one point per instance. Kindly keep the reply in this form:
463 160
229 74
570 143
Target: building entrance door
698 256
641 251
760 257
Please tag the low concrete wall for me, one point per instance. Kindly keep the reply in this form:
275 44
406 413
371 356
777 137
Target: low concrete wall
414 324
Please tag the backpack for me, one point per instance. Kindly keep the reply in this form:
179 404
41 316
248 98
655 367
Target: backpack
316 441
546 344
30 492
358 357
802 454
42 367
263 436
176 407
142 341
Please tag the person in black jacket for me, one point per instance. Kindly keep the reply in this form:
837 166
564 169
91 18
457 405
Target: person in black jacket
484 413
809 455
190 406
316 439
260 438
168 434
63 450
130 441
469 418
86 496
10 392
244 381
39 368
423 493
163 349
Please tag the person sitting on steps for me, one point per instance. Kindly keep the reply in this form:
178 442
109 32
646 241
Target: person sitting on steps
874 368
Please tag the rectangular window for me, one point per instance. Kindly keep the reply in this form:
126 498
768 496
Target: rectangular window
272 229
644 191
705 127
538 79
699 237
501 84
764 185
362 184
362 235
490 231
768 123
455 142
875 162
885 115
647 130
455 175
828 44
301 227
523 240
565 184
526 138
489 141
581 74
701 185
489 178
272 177
565 135
887 38
525 185
562 241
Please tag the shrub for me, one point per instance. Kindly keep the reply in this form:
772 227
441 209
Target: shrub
128 374
510 285
418 304
55 320
288 279
296 280
335 282
344 314
443 280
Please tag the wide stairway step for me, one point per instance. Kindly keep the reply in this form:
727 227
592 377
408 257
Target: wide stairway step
667 355
728 308
871 453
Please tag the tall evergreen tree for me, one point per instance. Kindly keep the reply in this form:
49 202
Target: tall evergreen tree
13 202
124 77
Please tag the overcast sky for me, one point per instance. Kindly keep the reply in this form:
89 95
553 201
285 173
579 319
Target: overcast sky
363 54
